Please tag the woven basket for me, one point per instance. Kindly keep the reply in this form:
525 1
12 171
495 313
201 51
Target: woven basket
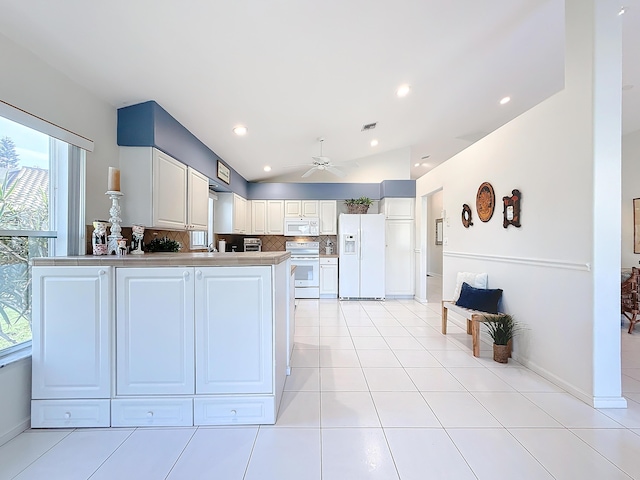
357 208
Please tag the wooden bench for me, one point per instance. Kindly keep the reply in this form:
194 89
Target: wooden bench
474 318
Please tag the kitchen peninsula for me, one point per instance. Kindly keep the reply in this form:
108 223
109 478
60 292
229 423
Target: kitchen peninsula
160 339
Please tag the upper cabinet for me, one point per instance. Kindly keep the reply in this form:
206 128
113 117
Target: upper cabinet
230 214
328 210
198 205
398 208
267 217
301 208
161 192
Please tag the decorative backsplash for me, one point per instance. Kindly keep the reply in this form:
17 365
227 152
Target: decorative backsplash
149 234
270 243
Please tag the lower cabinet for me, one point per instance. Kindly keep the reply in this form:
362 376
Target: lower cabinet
154 331
233 330
71 349
159 346
328 277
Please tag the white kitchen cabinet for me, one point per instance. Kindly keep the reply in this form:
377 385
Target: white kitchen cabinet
198 204
71 346
328 277
301 208
258 217
154 331
267 217
399 258
398 208
328 210
234 329
154 187
275 217
230 214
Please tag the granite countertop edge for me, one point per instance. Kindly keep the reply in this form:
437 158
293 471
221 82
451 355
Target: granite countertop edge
199 259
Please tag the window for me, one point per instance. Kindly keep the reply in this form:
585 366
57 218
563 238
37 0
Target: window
41 214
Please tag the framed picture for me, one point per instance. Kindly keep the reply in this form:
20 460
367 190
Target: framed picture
438 231
224 173
511 211
636 225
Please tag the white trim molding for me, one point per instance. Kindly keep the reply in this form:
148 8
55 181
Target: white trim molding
538 262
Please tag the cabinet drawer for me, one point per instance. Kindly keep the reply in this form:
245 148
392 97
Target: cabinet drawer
144 412
69 413
234 410
328 261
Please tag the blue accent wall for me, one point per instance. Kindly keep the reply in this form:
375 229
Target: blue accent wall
149 125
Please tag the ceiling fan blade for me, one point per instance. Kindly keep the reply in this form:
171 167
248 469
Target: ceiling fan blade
335 171
309 172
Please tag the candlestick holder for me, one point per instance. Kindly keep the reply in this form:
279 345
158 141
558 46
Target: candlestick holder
115 221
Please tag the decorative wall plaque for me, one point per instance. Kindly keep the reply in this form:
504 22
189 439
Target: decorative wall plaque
485 202
466 216
511 211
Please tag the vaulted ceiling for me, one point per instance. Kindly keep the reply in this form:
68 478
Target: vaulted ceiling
293 71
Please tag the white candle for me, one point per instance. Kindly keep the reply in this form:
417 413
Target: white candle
114 180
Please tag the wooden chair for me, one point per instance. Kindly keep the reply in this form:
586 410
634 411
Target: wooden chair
630 298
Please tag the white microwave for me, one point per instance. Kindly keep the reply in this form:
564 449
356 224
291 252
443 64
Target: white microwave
302 227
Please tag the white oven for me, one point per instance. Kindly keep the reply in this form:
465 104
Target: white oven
306 258
302 227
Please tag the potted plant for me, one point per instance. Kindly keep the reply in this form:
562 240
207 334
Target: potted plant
501 328
358 205
163 245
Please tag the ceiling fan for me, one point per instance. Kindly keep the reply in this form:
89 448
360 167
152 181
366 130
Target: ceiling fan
323 163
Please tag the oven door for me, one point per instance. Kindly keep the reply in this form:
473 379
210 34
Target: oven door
307 272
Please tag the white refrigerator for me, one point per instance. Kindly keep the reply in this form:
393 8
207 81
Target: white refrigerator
362 252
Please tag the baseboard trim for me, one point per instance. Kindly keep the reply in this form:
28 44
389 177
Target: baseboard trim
15 431
609 402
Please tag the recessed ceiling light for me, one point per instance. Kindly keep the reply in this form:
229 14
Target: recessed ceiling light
240 130
374 143
416 164
267 168
505 100
403 90
622 10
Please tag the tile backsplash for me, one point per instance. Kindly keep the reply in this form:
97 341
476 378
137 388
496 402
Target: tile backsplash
270 243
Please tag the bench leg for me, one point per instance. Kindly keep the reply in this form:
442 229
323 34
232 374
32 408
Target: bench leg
444 319
468 326
475 334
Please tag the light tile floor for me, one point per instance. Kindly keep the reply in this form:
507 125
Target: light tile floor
376 392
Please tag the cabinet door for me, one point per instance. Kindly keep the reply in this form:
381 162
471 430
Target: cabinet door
169 192
71 324
329 277
399 208
234 330
310 208
239 214
328 217
154 339
292 208
275 217
198 207
399 257
259 217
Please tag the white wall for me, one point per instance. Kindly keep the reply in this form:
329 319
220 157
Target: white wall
30 84
549 266
434 255
630 190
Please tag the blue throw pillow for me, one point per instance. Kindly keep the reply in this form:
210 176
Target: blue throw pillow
482 299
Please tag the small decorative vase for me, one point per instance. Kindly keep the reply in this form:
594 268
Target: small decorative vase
136 239
99 238
122 248
501 353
